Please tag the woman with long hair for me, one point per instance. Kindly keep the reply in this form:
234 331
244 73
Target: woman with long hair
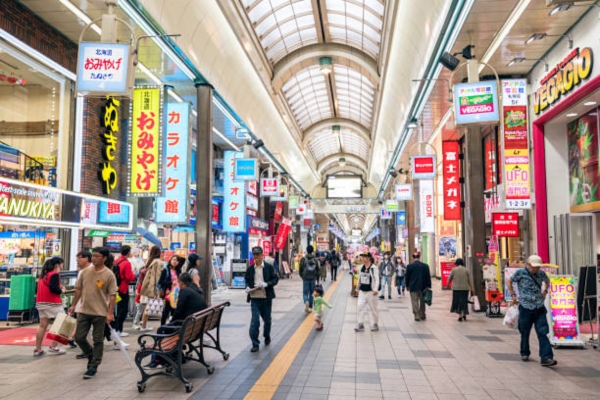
170 285
154 267
48 303
193 268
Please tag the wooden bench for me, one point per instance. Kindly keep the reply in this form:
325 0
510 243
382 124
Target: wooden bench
181 345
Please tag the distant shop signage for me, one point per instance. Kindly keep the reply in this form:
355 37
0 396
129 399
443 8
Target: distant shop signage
245 169
282 195
234 204
451 185
423 167
103 68
505 224
257 224
401 218
293 202
385 214
113 212
391 205
427 206
269 187
251 202
476 102
403 191
110 122
252 187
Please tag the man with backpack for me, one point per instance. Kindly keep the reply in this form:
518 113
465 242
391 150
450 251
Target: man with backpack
386 273
124 274
309 272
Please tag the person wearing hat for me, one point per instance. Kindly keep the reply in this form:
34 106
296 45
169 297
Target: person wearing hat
260 281
532 283
368 284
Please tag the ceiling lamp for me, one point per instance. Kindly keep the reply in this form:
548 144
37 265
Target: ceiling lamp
534 37
413 123
335 129
325 65
516 60
342 162
561 7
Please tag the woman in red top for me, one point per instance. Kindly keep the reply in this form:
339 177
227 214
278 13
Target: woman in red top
48 303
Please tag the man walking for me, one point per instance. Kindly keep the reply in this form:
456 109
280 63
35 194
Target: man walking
386 273
97 289
335 263
418 279
368 282
126 276
260 281
400 273
309 272
532 312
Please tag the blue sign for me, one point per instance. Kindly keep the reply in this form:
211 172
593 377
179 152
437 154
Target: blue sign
234 203
401 218
476 102
20 235
192 247
113 213
318 226
245 169
172 207
175 245
386 214
257 223
103 68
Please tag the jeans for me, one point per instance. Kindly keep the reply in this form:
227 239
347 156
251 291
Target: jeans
308 288
139 310
400 284
418 305
537 318
334 272
122 311
386 280
261 308
97 323
367 300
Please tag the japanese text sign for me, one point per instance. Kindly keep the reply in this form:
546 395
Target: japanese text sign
516 148
113 212
401 218
103 68
251 201
476 102
391 205
450 164
423 167
282 195
234 204
252 187
293 202
505 224
245 169
563 307
385 214
403 191
269 187
110 123
172 206
427 206
146 130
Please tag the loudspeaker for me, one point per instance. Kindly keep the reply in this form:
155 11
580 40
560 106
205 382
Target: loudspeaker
449 61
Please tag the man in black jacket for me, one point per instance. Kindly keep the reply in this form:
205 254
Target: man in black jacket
260 281
418 279
190 300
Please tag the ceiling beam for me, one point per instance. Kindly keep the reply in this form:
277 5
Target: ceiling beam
354 126
336 157
332 170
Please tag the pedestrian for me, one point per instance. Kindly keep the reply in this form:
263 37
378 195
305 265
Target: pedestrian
84 260
386 273
97 289
136 261
170 285
124 274
335 263
261 279
140 301
150 289
418 279
48 303
462 284
319 302
532 312
323 261
309 272
368 282
193 267
400 273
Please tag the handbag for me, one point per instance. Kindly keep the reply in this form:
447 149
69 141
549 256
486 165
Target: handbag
155 307
62 328
427 296
476 304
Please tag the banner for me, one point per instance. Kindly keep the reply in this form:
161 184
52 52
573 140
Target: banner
269 187
145 144
563 308
282 234
172 207
476 102
427 206
446 268
278 211
234 207
452 193
403 191
423 167
515 141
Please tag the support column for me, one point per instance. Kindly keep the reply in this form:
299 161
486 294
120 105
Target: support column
410 225
204 182
474 216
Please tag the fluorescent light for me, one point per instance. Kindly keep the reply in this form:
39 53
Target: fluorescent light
504 31
149 73
534 37
175 96
229 142
516 60
589 103
225 111
81 15
571 115
560 7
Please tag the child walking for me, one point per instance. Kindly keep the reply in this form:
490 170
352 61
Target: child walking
319 301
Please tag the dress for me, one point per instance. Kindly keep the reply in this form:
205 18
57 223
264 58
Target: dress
461 285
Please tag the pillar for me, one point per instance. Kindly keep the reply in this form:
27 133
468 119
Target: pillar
204 181
410 225
474 216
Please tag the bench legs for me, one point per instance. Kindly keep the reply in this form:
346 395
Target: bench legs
173 368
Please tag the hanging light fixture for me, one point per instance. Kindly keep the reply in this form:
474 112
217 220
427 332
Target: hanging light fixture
342 162
325 65
413 123
335 129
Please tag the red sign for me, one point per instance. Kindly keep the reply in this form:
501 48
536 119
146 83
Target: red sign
447 267
266 245
252 187
505 224
283 232
215 213
269 186
423 167
451 181
278 211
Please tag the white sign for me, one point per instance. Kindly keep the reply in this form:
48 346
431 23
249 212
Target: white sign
251 202
403 192
269 187
427 206
301 210
103 68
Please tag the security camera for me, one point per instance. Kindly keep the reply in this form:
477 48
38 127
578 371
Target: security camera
379 201
393 173
258 144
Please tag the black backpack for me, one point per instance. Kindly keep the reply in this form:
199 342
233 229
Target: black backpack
117 271
311 264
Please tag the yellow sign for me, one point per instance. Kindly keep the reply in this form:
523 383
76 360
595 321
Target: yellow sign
46 161
145 142
516 164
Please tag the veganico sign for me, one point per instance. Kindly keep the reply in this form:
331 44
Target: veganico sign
563 78
476 102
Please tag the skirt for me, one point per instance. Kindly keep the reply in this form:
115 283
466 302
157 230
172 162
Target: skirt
49 311
460 302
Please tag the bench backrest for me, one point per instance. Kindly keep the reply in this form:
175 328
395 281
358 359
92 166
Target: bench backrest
203 321
215 319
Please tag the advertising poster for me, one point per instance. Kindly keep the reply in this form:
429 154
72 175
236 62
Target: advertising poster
446 268
450 162
584 177
447 247
563 308
476 102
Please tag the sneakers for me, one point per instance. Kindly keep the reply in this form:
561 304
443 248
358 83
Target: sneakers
136 327
524 358
146 329
123 334
382 297
267 341
82 356
306 307
90 373
254 349
359 328
374 328
154 365
549 362
116 345
56 351
38 353
72 344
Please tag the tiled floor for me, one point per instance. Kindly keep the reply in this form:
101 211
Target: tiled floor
440 358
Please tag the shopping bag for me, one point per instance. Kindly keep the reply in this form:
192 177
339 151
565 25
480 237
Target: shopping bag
427 296
173 297
62 328
155 307
476 303
511 319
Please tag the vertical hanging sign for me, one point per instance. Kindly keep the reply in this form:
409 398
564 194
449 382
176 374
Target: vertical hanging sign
110 122
451 181
145 142
172 207
234 204
515 141
427 206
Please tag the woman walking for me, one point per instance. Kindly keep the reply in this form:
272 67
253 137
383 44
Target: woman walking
154 267
461 281
170 285
48 303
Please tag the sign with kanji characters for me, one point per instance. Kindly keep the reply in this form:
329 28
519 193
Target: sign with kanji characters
423 167
269 187
113 212
391 205
452 197
282 195
516 148
427 206
245 169
103 68
401 218
252 187
563 308
145 143
251 202
293 202
172 206
89 213
403 191
505 224
475 102
110 123
278 211
234 199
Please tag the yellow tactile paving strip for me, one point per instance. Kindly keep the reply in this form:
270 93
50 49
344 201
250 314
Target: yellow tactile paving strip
266 386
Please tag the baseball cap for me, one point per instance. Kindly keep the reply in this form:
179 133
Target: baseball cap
257 250
535 260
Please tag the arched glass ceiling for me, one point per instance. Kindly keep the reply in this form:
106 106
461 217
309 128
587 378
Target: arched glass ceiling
282 26
307 96
325 143
355 95
357 23
354 144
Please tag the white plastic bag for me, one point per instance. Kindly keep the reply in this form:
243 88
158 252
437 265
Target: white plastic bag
511 319
476 304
